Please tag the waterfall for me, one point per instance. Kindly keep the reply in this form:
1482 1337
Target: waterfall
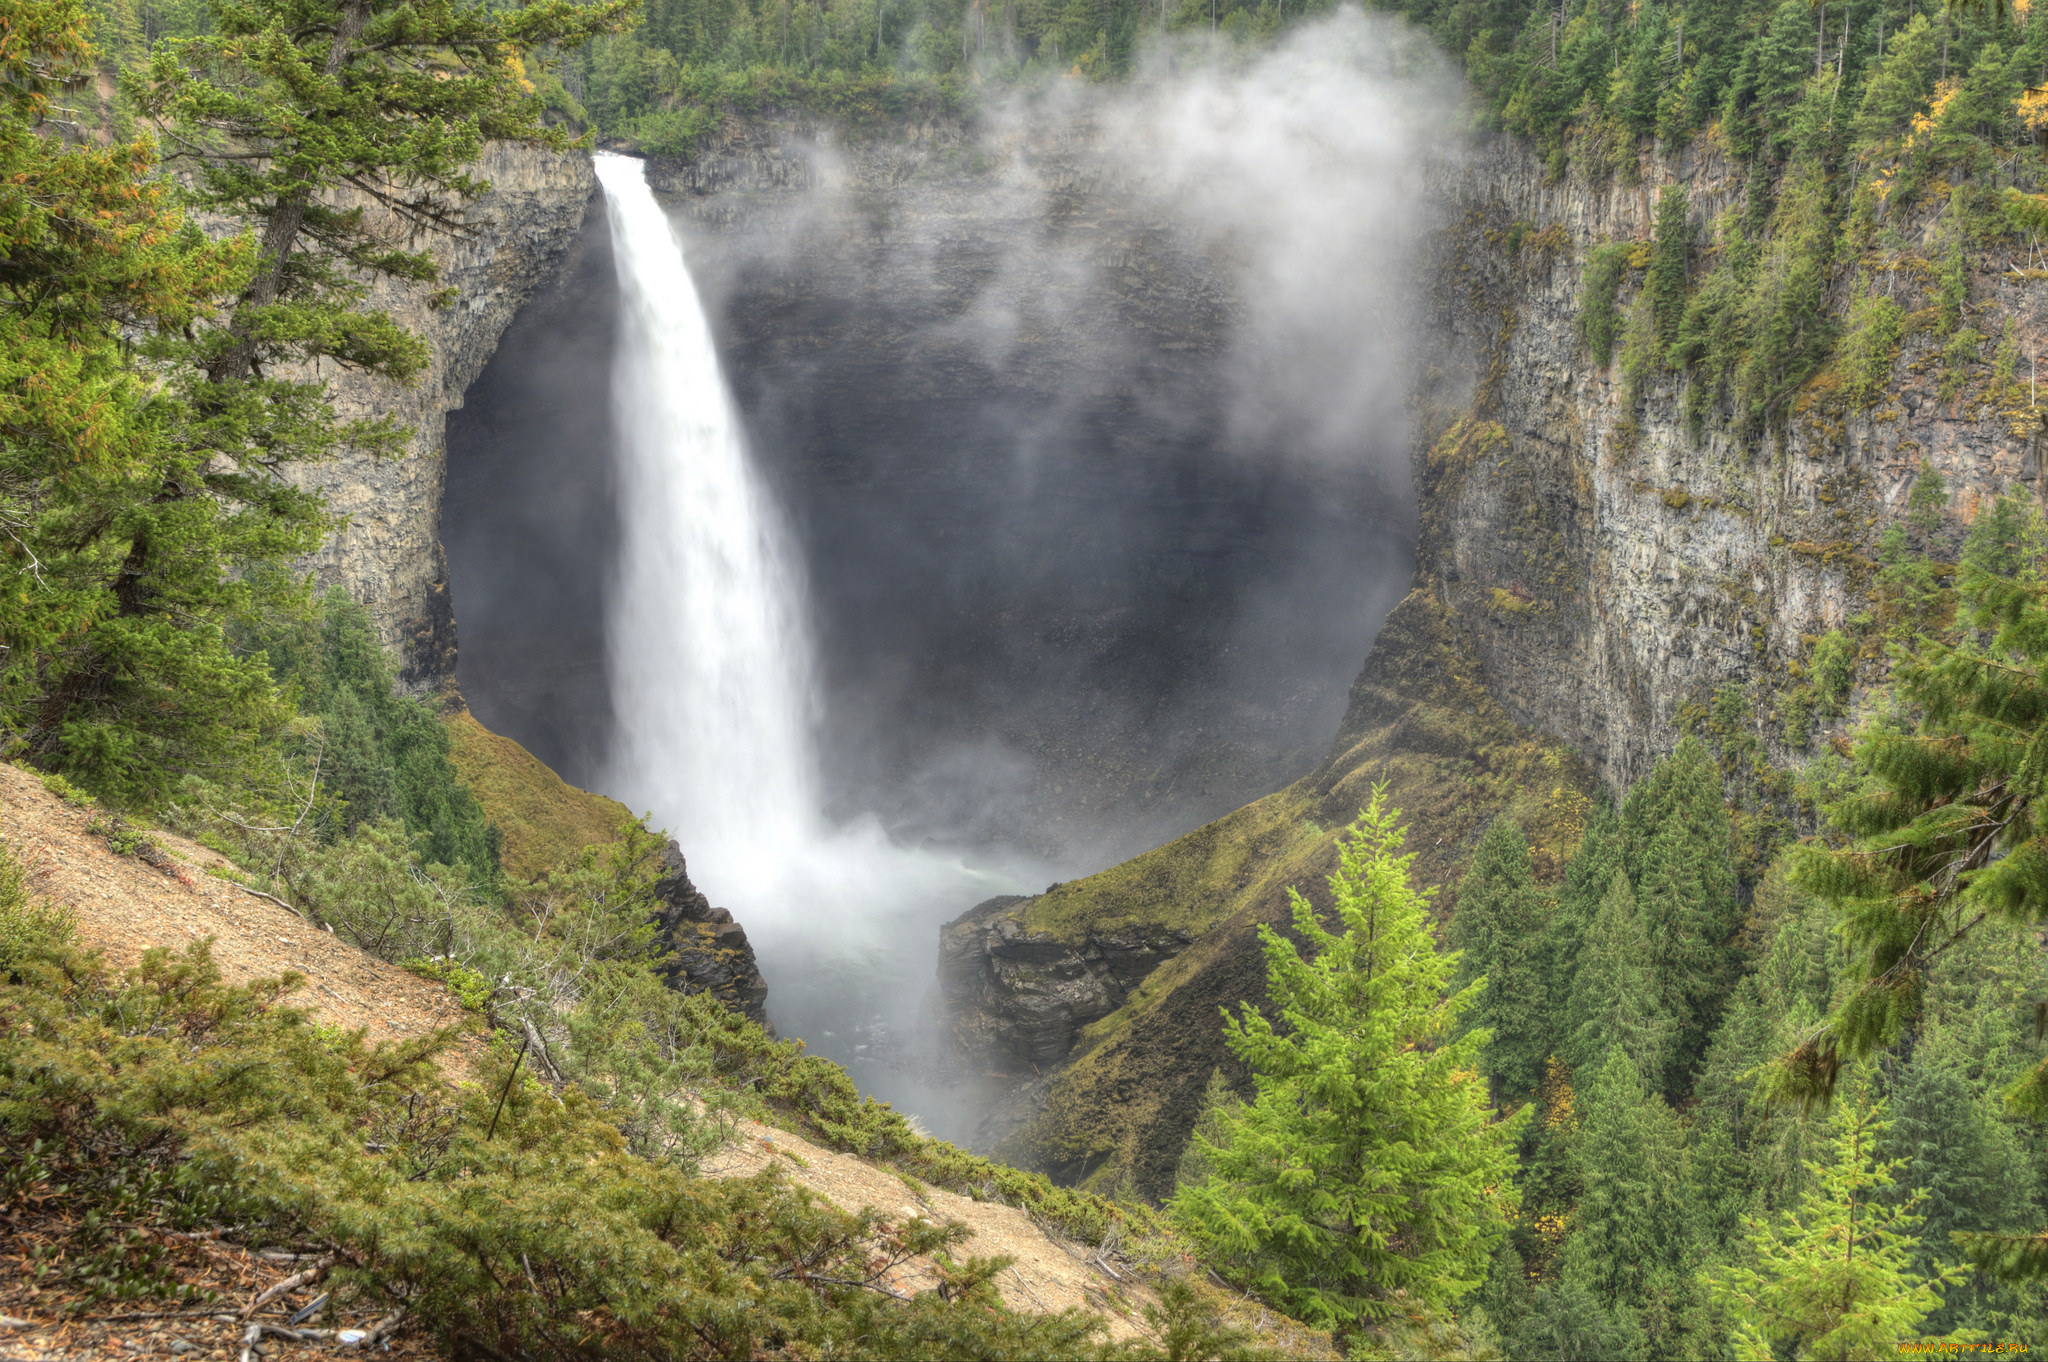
709 656
713 700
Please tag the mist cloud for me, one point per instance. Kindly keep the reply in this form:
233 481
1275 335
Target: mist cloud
1306 167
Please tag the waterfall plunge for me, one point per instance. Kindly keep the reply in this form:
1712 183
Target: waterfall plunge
710 660
710 663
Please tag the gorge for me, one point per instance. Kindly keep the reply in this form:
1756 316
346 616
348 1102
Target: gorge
1062 444
904 310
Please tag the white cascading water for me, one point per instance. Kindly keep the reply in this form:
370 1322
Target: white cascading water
709 656
712 695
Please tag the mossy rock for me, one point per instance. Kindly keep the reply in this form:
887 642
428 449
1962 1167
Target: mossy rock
1118 1116
545 819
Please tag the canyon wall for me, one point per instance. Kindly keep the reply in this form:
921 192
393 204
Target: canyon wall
1055 595
904 314
389 555
1608 565
1595 573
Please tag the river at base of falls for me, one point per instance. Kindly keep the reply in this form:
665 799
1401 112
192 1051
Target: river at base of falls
710 656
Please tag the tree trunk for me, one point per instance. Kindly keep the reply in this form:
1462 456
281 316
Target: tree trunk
281 228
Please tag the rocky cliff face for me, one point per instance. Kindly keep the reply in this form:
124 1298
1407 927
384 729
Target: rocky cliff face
1013 995
988 387
708 951
389 556
1607 564
1589 564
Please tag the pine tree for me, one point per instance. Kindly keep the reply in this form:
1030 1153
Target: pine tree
285 103
1910 596
143 477
1567 1321
1631 1229
167 508
125 684
1966 1171
385 754
1833 1279
1679 849
1899 86
1366 1175
118 30
1587 877
1616 1004
1666 283
1716 1184
1944 834
1498 931
2003 539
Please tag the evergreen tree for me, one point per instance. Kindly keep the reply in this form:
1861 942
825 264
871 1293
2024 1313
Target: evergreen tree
1716 1185
145 487
1498 931
1834 1279
1568 1322
1366 1176
1745 1041
1964 1168
386 754
1679 849
1774 77
284 104
122 678
1630 1233
1666 283
1587 877
166 512
1944 831
118 30
1899 86
1616 1004
2003 539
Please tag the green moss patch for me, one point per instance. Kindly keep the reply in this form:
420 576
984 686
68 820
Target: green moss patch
1189 885
546 820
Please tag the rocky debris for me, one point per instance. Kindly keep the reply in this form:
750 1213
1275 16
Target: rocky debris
711 952
1013 997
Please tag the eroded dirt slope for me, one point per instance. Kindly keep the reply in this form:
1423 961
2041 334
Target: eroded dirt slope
171 894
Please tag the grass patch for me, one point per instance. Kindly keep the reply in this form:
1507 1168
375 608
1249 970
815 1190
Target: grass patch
546 820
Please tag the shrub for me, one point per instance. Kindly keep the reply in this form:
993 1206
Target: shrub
1599 319
165 1099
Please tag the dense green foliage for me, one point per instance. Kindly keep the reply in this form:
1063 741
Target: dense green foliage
570 964
1934 845
1942 834
159 650
379 754
168 1101
1833 1279
1637 1019
1367 1177
152 414
131 520
1498 933
1671 1207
